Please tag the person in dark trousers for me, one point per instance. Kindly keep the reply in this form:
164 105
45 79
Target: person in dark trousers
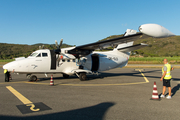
6 75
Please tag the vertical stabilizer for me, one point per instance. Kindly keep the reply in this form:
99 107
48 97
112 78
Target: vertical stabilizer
127 54
130 32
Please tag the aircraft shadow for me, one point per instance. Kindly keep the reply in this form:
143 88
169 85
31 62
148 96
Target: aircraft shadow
96 112
103 75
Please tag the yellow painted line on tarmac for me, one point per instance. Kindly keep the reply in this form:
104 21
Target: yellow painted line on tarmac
12 82
103 84
38 83
19 95
146 81
144 76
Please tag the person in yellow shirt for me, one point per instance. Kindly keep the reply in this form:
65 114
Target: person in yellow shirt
166 78
6 75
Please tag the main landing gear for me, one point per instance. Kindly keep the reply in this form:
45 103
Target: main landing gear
82 76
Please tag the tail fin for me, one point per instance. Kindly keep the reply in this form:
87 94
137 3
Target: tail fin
126 53
124 45
132 47
128 47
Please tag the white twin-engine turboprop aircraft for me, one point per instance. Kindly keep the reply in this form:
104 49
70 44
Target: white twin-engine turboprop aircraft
82 60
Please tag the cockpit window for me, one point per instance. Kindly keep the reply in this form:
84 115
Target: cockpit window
33 54
44 54
39 55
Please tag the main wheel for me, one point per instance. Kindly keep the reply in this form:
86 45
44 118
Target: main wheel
82 76
65 76
33 78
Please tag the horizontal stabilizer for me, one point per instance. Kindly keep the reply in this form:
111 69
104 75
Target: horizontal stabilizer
133 47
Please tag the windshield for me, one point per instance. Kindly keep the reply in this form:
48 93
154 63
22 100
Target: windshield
33 54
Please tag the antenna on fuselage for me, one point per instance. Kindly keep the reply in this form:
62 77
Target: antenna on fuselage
41 47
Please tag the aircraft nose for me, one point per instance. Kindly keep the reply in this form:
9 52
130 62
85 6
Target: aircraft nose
6 66
9 66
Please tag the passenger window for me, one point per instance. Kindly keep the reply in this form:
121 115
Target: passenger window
39 55
74 60
68 60
63 60
44 54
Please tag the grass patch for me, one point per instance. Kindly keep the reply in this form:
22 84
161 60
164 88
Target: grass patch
2 62
154 60
6 60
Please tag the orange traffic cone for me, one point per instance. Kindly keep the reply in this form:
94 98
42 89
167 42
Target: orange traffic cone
155 93
51 81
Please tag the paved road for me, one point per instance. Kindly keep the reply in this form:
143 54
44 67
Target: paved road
117 94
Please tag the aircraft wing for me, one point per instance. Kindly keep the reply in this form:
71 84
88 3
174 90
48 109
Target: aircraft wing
146 30
88 48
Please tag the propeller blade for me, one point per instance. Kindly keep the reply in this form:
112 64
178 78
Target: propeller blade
42 46
56 43
58 50
60 43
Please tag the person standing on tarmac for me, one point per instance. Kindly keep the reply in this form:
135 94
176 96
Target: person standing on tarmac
6 75
166 78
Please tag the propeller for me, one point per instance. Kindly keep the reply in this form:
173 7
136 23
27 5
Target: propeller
58 50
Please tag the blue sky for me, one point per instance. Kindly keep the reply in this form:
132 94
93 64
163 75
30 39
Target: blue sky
80 22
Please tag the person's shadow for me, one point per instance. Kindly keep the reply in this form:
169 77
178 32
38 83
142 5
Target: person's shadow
175 89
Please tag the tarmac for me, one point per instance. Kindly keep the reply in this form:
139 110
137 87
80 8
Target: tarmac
122 93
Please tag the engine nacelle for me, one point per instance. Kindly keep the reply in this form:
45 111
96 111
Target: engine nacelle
155 30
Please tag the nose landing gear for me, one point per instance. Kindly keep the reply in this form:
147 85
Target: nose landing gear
32 78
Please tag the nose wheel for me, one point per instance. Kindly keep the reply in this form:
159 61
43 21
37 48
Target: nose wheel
32 77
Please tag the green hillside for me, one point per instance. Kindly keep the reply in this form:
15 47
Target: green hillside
9 51
158 47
